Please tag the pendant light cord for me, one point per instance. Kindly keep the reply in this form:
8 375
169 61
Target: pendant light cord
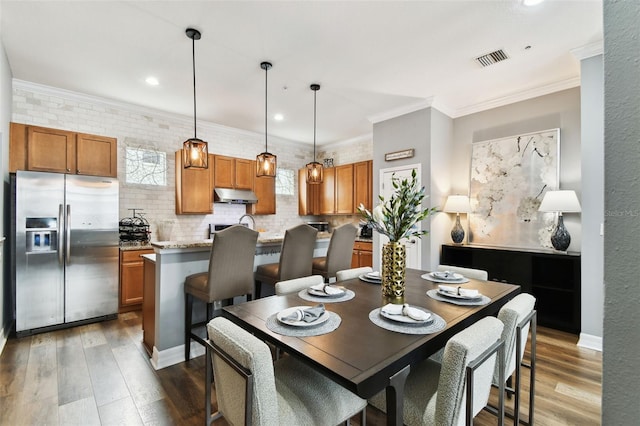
315 92
193 57
266 71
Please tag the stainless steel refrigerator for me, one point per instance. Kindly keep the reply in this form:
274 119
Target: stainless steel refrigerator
65 249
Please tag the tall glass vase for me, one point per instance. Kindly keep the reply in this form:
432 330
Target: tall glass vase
394 265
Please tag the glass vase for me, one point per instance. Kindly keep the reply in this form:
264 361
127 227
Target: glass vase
394 265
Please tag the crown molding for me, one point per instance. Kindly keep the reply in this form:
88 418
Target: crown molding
139 109
397 112
517 97
589 50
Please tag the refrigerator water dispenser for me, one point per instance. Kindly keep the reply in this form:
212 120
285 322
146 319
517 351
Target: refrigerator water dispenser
42 234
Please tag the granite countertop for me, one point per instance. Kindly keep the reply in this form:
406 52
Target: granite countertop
147 246
263 239
364 239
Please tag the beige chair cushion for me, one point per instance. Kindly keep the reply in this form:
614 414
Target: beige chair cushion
297 284
349 274
476 274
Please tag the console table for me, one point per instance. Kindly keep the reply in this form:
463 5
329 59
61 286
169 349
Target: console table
553 278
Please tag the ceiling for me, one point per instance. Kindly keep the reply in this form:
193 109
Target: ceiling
373 59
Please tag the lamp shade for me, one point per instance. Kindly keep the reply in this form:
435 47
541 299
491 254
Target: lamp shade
565 201
456 204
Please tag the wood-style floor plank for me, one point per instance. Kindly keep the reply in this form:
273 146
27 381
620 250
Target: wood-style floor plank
80 412
74 382
106 378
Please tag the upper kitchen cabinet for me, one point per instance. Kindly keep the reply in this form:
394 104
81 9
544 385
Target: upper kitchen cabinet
234 172
52 150
194 187
308 195
337 190
265 189
363 185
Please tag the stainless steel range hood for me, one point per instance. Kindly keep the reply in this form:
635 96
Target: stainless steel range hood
234 196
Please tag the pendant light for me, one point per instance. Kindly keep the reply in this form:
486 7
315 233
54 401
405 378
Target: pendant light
194 151
266 162
314 169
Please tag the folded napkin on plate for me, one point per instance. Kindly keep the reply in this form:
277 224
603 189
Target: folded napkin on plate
447 275
307 314
326 288
374 274
406 310
459 291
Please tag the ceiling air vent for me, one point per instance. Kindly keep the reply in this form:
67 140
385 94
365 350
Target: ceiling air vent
492 58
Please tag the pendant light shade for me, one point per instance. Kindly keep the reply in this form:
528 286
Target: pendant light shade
194 151
315 172
266 162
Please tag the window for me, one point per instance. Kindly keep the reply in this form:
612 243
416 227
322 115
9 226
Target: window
146 166
285 181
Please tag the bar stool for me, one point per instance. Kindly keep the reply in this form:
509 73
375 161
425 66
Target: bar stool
339 253
230 274
295 258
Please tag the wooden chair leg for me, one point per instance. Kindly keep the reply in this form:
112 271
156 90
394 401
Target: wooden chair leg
188 308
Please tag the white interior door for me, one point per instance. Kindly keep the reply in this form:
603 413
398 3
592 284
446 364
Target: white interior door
386 189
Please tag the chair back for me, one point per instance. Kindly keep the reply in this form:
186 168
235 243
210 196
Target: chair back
297 252
239 359
297 284
460 352
511 315
340 249
476 274
231 263
349 274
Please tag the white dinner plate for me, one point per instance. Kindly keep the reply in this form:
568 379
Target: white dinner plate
373 275
455 278
458 296
320 293
364 277
285 312
405 319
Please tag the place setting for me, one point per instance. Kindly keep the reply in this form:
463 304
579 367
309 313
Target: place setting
373 277
328 293
407 319
445 277
458 295
304 321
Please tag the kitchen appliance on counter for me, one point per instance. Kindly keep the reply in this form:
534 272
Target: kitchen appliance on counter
366 231
65 246
214 227
320 226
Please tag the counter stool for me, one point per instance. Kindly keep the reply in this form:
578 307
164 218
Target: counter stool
339 253
295 258
230 274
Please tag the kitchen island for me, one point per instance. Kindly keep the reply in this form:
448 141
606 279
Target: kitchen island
174 261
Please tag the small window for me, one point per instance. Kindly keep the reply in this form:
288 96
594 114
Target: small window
146 166
285 181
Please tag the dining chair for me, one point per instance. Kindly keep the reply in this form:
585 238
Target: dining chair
452 393
518 316
476 274
295 258
250 389
339 252
297 284
349 274
230 274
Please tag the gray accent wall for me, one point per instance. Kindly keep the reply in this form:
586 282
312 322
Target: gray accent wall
621 339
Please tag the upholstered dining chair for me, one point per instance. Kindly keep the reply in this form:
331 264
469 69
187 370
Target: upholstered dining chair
297 284
476 274
230 274
339 252
295 258
349 274
453 392
250 389
518 316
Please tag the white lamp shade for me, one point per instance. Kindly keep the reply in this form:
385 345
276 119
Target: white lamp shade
565 201
456 204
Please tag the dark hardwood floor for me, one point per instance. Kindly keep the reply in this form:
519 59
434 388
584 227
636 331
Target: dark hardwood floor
100 374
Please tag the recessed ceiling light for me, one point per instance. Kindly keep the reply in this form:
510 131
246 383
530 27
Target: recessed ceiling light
531 2
152 81
278 117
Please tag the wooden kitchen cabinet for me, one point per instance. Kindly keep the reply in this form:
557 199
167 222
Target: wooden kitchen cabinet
131 279
337 190
308 195
362 254
194 187
328 191
265 189
233 172
149 305
363 185
59 151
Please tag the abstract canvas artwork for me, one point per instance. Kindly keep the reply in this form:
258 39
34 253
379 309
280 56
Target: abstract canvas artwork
509 177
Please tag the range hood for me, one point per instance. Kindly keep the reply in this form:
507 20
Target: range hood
234 196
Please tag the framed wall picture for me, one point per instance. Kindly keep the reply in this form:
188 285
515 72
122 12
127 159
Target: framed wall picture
509 177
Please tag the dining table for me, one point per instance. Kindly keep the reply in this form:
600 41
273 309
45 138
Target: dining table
363 356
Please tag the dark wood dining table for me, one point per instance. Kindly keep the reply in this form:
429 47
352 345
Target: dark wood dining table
360 355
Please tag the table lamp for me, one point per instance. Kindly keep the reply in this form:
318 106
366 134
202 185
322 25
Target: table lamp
564 201
457 204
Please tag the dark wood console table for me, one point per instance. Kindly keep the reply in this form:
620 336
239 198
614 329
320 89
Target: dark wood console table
553 278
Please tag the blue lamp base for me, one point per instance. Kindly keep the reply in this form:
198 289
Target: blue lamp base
457 233
560 239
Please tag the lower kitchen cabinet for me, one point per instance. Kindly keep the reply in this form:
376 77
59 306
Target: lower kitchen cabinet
553 278
149 305
362 254
131 279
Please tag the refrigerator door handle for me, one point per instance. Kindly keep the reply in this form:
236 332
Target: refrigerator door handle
60 239
67 237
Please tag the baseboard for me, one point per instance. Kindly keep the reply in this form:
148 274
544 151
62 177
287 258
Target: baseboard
4 336
590 342
174 355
